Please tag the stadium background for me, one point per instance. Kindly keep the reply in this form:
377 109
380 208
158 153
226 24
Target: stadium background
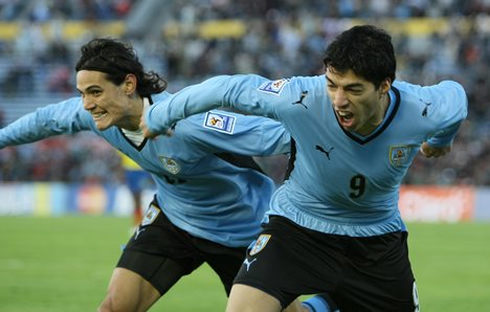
189 40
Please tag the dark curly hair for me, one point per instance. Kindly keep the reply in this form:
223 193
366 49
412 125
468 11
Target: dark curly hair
117 60
366 50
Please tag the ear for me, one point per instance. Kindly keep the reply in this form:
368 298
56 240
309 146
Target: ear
385 86
130 83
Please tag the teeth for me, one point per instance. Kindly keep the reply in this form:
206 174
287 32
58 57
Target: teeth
346 115
100 115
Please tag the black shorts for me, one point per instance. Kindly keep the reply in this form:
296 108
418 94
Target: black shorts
162 253
358 273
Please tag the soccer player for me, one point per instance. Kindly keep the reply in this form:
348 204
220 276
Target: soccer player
334 226
210 197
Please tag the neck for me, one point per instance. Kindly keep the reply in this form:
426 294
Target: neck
378 116
383 108
135 114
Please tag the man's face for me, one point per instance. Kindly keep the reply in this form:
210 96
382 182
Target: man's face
108 103
359 107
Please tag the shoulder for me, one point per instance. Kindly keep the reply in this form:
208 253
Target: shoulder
443 89
447 93
157 97
441 104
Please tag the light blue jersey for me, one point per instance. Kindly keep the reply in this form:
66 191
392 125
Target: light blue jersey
342 183
198 187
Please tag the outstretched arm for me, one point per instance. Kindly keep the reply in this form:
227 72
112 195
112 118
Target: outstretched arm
51 120
236 91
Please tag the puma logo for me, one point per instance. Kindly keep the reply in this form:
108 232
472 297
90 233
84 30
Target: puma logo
426 109
300 101
248 263
327 153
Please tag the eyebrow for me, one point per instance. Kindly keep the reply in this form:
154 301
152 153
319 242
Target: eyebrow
89 88
349 86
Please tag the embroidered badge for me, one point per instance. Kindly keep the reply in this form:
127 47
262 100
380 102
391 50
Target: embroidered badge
399 155
219 122
274 87
150 215
170 165
259 244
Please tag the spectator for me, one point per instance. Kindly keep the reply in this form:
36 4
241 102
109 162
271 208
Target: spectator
287 41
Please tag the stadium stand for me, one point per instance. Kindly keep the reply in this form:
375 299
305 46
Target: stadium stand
189 40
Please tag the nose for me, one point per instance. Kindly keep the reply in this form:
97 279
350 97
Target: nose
338 98
87 104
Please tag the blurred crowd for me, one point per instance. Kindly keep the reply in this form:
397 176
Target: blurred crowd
281 39
47 10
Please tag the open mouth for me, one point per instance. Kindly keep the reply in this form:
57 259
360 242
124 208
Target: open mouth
98 116
346 119
345 115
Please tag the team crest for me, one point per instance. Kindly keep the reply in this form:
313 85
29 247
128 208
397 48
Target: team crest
274 87
399 155
150 215
260 244
170 165
219 122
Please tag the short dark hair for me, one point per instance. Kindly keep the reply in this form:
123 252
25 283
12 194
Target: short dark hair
117 59
366 50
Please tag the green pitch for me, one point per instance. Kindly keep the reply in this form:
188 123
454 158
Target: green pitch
64 264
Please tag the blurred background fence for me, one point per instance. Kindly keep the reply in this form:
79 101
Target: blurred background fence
189 40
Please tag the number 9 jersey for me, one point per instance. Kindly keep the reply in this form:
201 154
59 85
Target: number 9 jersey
342 183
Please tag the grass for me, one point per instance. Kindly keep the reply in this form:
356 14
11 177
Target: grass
64 264
452 265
